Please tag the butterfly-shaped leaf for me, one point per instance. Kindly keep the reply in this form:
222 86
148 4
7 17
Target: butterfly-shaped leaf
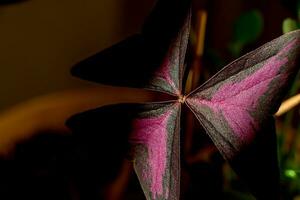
235 106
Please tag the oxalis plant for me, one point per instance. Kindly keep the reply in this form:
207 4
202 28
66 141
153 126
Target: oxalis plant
235 106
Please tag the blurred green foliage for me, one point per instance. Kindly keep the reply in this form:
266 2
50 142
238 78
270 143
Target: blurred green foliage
290 24
247 29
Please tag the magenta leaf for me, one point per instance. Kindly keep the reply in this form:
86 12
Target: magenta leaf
233 109
137 61
168 78
155 140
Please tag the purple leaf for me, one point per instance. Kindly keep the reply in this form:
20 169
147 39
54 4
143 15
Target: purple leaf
168 78
155 139
234 108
